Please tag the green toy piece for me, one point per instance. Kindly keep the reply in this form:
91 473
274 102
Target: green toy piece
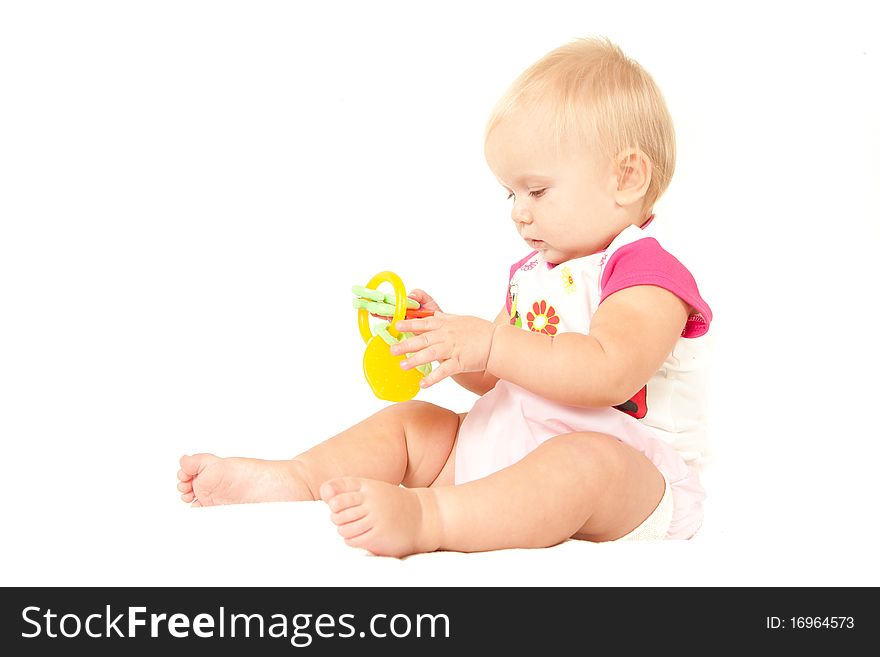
377 295
374 307
367 293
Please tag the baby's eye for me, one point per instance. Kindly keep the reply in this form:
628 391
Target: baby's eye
537 193
510 196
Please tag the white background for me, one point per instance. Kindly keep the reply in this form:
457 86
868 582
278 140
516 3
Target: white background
189 189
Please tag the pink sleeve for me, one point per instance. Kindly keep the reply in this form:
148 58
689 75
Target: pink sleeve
645 262
513 269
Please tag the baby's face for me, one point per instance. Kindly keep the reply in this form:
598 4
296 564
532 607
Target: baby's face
563 199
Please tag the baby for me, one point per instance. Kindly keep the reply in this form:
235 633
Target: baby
590 416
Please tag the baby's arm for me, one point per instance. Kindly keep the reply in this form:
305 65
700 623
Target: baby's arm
482 382
631 334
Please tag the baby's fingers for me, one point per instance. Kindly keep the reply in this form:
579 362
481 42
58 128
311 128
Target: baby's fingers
410 345
446 368
424 299
420 325
420 358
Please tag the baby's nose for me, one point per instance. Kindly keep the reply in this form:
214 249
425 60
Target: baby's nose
520 214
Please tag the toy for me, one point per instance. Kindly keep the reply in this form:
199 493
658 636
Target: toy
381 368
381 304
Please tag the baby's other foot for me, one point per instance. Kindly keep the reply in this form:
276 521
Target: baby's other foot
208 480
385 519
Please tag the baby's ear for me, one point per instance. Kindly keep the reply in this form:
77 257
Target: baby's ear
633 170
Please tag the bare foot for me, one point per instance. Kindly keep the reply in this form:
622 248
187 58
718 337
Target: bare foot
385 519
207 480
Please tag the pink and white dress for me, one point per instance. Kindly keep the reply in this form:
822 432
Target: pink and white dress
665 420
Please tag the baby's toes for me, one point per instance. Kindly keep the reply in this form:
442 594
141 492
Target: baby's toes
351 514
352 530
338 486
193 464
343 501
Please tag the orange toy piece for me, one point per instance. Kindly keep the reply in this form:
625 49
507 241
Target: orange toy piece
411 313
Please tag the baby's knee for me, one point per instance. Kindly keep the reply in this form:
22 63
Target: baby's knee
596 449
414 406
416 409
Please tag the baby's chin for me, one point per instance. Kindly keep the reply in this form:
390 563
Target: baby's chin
551 255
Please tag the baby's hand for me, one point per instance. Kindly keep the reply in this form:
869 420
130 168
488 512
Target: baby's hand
460 343
425 300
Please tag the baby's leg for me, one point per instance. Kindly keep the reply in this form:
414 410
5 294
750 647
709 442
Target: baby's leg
581 485
406 443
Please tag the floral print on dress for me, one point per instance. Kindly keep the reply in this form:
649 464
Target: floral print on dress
568 280
542 318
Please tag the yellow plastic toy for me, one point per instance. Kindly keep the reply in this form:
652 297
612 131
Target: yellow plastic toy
381 368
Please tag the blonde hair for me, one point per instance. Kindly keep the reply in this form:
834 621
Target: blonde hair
593 92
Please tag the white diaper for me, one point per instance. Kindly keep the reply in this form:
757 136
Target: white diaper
656 525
